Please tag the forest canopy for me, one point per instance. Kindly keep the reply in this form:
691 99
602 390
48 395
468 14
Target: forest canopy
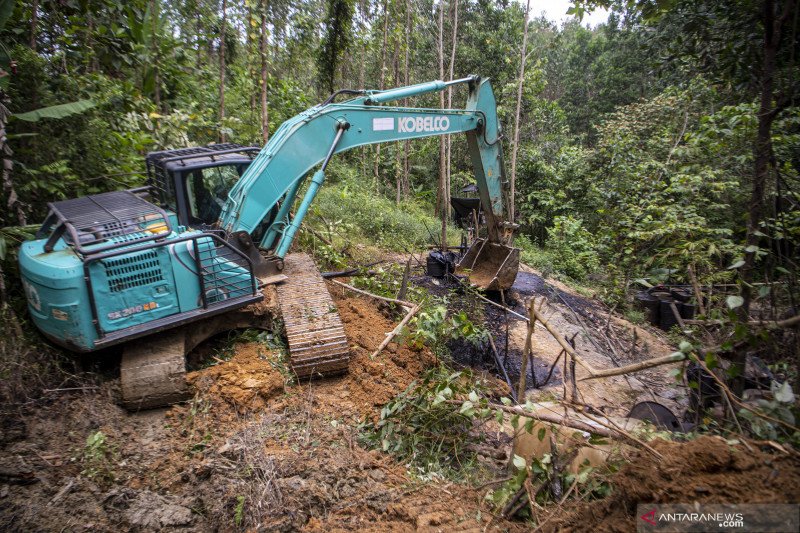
663 140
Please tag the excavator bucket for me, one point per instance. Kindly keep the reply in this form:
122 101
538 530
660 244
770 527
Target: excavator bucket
490 266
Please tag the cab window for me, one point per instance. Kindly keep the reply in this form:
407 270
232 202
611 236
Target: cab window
207 190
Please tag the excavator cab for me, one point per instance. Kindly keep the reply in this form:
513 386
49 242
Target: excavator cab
194 182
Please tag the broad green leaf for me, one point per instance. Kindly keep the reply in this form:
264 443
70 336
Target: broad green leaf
751 249
734 301
542 433
519 462
737 264
473 397
466 406
56 111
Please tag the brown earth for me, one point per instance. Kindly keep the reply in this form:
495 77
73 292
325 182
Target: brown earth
705 470
249 452
254 452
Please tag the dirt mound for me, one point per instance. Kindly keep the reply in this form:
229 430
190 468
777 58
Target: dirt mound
247 381
371 383
705 470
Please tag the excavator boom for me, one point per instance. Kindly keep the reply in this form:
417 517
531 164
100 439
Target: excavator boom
277 174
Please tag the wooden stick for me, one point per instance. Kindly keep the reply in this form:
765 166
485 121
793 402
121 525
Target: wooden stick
769 324
624 433
502 368
696 288
506 309
316 234
563 342
395 331
369 294
677 315
523 372
672 358
71 389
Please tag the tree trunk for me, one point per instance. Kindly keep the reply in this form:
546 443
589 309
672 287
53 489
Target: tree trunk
13 205
222 71
155 55
406 186
264 72
382 86
763 152
515 146
34 23
448 139
440 201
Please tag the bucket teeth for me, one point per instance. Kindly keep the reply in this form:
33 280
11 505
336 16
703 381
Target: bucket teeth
314 330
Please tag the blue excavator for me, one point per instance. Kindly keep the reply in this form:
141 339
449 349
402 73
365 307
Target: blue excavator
204 247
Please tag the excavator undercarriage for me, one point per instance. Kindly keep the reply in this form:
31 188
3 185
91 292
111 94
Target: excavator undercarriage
153 369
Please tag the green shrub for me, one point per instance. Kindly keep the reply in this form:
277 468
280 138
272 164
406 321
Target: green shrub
573 248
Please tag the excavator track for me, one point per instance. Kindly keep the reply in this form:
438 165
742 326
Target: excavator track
153 371
317 342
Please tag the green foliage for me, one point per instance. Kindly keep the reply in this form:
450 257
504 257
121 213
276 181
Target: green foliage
573 248
98 458
56 111
420 426
433 328
375 220
764 424
238 510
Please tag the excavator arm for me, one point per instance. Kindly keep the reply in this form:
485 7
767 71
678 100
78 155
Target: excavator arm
277 174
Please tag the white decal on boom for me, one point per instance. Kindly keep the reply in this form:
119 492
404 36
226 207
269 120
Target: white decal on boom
383 124
421 124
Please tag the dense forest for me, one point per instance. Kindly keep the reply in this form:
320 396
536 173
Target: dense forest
663 139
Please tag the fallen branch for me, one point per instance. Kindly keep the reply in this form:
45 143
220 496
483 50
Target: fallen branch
502 368
71 389
650 363
504 308
316 234
563 342
624 433
395 331
371 295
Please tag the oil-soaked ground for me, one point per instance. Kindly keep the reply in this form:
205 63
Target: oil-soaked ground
498 322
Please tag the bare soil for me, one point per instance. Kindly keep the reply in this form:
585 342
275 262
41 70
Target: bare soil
253 451
705 470
248 452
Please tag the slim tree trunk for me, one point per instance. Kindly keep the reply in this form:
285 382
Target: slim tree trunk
13 205
222 71
382 86
34 23
264 72
763 152
406 81
155 55
515 146
448 140
440 202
